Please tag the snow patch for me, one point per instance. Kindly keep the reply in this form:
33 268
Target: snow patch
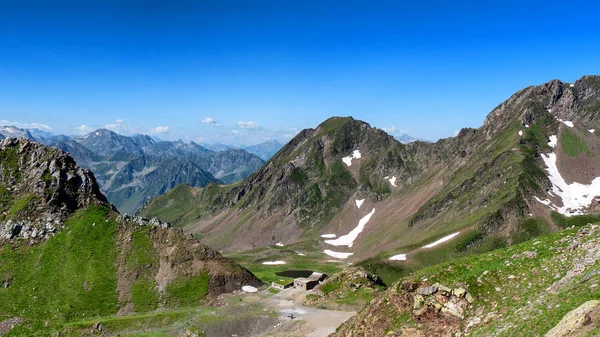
301 254
567 123
337 254
335 261
279 244
545 202
359 202
393 181
442 240
348 239
592 130
521 133
270 263
399 257
553 141
574 196
328 236
572 85
249 289
526 125
355 155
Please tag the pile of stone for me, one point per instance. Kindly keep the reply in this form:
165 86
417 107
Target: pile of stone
141 221
37 229
439 298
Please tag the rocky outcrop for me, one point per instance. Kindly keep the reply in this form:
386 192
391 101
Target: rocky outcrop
439 298
578 321
39 188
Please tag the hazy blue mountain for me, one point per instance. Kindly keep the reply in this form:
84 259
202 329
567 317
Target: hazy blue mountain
265 150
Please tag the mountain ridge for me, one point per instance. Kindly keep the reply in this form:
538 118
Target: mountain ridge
481 183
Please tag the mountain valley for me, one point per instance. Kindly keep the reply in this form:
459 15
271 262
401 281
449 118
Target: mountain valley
492 232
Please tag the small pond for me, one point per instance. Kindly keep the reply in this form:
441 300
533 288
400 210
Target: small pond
294 273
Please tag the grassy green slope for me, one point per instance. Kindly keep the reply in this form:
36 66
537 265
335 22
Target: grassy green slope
73 276
183 204
512 292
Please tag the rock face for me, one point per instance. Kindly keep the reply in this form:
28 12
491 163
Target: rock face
39 188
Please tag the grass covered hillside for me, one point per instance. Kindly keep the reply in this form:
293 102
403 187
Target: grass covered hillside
88 262
524 290
358 195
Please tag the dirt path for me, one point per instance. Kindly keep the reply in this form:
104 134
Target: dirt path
324 322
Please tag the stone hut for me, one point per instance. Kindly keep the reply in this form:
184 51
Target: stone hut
307 283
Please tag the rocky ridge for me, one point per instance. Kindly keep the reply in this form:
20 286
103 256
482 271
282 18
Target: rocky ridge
40 188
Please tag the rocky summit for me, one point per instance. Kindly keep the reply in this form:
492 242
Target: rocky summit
40 188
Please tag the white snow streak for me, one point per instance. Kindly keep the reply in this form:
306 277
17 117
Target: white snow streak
348 239
442 240
328 236
301 254
273 262
592 130
249 289
337 254
279 244
545 202
399 257
553 141
393 181
567 123
571 85
355 155
521 133
359 202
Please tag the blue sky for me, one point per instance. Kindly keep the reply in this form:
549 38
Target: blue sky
247 71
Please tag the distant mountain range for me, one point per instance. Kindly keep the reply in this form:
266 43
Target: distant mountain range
405 139
132 169
264 150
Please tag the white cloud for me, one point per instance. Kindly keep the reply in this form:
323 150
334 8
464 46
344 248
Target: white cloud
392 129
121 128
210 121
247 125
84 129
26 125
159 130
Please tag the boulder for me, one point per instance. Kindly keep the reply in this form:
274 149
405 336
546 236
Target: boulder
444 290
459 292
419 301
425 291
576 320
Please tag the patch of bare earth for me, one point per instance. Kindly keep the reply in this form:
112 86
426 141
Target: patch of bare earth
9 324
583 168
125 276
